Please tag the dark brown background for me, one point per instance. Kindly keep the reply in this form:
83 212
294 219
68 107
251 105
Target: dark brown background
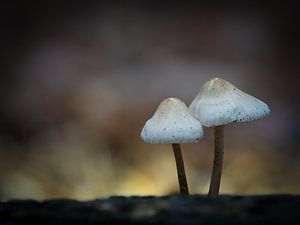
79 79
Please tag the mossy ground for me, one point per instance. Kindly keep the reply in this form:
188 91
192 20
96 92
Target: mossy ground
175 209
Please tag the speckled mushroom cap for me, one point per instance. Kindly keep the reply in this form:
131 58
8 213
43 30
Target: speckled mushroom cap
219 103
172 123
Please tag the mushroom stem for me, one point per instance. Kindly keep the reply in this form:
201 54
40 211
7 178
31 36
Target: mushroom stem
218 162
183 186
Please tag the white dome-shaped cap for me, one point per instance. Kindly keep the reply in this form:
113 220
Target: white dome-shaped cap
219 103
172 123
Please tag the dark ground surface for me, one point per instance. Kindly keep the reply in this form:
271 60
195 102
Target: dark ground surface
196 209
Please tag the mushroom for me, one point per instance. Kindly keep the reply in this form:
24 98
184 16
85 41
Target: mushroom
172 123
219 103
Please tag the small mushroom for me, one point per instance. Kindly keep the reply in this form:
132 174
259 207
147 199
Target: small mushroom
172 123
219 103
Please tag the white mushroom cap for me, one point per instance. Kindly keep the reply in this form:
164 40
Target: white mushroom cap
219 103
172 123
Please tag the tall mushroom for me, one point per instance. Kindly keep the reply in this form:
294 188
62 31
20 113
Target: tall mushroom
219 103
172 123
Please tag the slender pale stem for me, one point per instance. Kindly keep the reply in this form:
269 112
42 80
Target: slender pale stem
180 170
218 162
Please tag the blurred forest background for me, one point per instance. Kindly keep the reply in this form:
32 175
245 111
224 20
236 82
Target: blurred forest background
78 80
